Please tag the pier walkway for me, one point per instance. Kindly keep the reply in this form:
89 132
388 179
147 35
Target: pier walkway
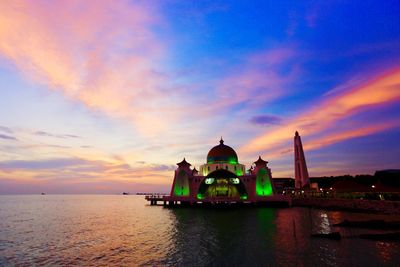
278 200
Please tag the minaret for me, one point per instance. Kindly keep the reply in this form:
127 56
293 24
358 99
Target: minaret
180 186
300 167
264 185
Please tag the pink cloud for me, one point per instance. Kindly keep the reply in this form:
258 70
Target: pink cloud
104 54
107 56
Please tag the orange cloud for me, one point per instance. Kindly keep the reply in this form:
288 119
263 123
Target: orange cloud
383 90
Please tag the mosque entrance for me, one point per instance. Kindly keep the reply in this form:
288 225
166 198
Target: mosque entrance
222 184
221 188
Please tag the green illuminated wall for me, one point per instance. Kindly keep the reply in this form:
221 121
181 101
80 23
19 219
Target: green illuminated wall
236 168
181 187
263 183
233 161
230 160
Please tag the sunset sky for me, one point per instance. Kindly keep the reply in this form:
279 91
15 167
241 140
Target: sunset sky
107 96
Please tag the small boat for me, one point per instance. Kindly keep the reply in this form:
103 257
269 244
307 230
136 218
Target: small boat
43 193
125 193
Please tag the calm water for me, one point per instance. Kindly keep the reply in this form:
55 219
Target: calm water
122 230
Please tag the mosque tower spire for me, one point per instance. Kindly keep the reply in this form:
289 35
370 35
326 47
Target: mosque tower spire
301 173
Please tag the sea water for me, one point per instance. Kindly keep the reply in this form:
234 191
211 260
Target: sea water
123 230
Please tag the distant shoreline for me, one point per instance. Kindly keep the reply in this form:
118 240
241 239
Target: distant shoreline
355 205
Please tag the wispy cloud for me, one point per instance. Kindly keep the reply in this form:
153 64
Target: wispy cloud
7 137
260 79
266 120
382 90
6 129
47 134
335 137
80 170
40 164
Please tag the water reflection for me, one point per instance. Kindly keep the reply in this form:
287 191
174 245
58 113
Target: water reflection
223 237
271 237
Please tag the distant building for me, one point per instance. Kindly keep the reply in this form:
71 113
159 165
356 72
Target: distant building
389 172
389 177
381 181
283 184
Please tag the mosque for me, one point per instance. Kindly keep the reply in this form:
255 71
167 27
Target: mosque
222 179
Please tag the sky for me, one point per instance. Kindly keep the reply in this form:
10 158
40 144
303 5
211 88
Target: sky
107 96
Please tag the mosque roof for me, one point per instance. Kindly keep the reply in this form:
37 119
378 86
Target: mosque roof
222 153
260 161
183 163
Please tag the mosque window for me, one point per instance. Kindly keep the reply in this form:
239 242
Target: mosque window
208 168
235 168
226 167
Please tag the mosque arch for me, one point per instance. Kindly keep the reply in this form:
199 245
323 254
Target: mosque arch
222 183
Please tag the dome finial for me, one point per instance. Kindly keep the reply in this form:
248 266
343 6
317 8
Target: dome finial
221 141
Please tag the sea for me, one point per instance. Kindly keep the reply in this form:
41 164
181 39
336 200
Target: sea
123 230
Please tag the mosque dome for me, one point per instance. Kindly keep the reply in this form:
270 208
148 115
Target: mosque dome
222 153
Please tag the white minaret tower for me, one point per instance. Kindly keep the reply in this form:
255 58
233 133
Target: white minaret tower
301 177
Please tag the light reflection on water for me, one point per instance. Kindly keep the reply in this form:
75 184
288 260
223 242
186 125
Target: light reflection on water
123 230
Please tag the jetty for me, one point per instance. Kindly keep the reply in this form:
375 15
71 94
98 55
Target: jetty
174 201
